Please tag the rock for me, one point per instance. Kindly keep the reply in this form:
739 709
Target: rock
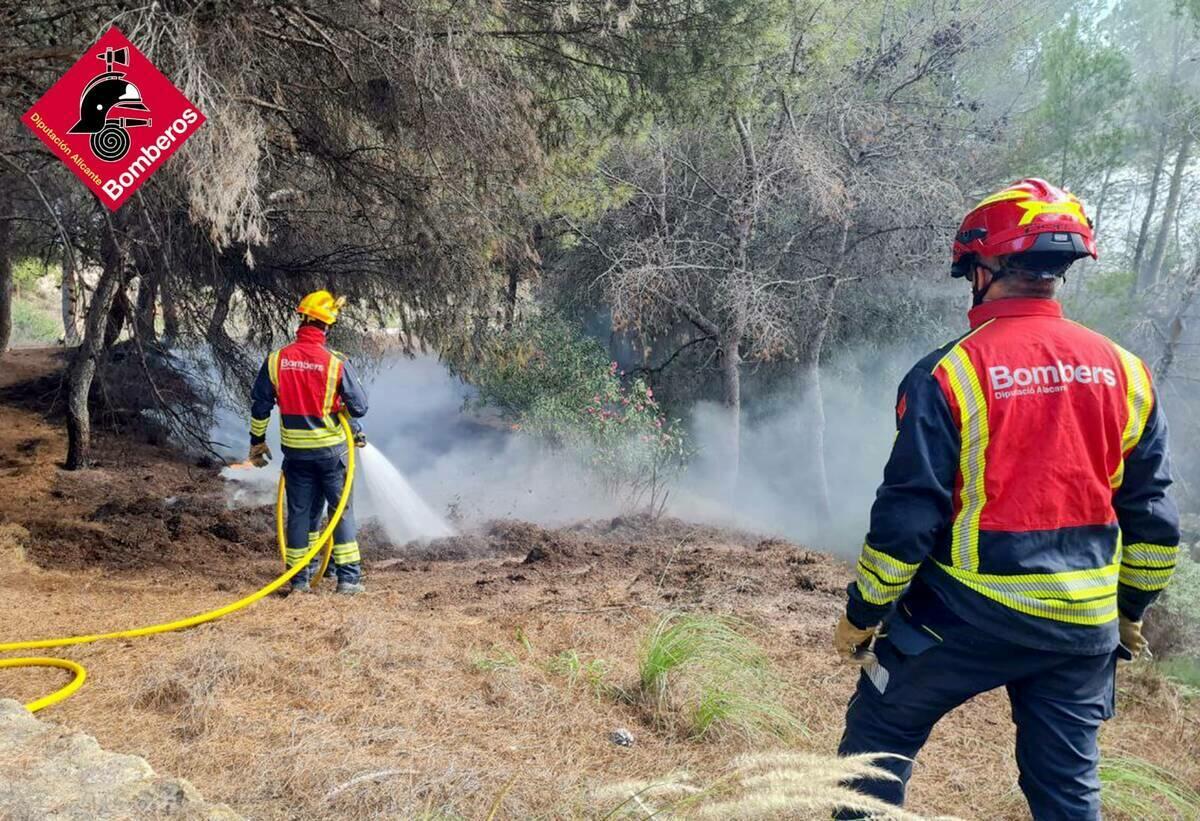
621 737
48 772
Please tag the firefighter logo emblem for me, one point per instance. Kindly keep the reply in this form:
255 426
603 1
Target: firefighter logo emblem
103 104
113 123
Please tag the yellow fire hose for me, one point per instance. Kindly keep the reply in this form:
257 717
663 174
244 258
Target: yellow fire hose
325 540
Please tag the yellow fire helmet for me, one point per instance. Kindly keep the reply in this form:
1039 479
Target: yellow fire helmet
321 306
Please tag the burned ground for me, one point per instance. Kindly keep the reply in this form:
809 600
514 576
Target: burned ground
435 692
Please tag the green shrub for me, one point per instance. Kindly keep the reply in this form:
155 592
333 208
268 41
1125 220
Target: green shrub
707 670
1184 671
498 659
1173 623
574 669
33 325
27 271
557 384
1139 789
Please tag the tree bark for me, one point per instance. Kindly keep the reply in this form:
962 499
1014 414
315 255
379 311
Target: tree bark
1153 268
1174 335
1104 185
811 375
114 256
1160 161
170 310
117 314
70 299
6 293
1151 203
145 313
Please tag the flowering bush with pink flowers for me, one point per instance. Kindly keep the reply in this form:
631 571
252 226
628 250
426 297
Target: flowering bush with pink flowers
554 383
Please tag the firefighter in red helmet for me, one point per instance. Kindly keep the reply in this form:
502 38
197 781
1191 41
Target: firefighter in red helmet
1023 525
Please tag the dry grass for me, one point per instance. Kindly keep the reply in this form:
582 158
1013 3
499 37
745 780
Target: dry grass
770 785
324 707
375 707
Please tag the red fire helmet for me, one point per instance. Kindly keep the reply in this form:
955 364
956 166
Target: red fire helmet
1030 216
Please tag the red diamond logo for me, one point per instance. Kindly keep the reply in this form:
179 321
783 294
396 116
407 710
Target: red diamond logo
113 118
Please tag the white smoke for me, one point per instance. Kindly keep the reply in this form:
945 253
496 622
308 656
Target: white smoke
469 466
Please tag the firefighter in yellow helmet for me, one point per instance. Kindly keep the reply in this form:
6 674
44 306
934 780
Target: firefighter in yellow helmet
312 385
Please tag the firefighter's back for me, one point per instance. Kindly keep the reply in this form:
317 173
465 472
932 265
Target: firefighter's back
1056 395
305 375
1046 410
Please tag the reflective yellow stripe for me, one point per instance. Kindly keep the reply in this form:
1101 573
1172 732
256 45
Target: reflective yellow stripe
312 537
1148 566
1150 555
346 553
888 568
258 427
874 590
1150 579
294 555
1087 597
331 378
273 368
1139 399
309 439
972 459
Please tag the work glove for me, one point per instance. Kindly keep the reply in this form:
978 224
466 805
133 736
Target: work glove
360 440
850 642
1132 638
260 454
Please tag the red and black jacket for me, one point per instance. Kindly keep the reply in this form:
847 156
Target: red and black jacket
312 385
1027 485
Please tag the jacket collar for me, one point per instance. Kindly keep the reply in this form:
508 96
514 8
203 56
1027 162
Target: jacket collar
310 335
1023 306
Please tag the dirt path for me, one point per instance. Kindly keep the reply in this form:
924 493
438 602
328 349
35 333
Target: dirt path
437 691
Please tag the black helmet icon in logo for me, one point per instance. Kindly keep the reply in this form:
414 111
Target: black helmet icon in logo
108 91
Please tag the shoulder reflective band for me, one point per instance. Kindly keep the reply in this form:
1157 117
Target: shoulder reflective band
1139 400
273 368
972 458
332 371
1148 566
1087 597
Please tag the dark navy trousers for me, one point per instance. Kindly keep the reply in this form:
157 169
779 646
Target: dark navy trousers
311 484
931 662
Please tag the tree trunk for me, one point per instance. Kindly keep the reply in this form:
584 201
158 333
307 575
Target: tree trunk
1103 196
6 293
70 299
144 315
1174 335
117 314
1153 268
115 258
812 381
731 399
170 311
1151 203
